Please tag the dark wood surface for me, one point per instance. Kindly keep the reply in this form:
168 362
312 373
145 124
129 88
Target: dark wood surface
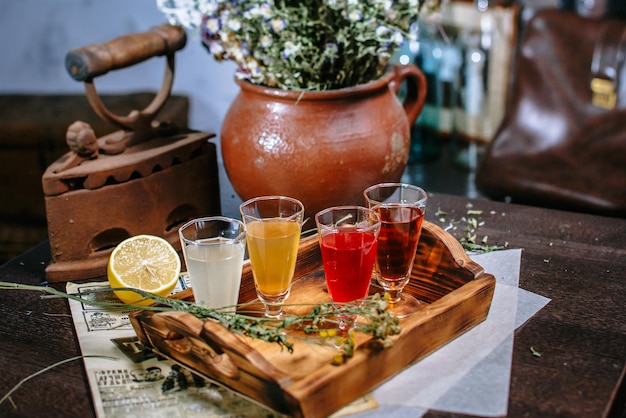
577 260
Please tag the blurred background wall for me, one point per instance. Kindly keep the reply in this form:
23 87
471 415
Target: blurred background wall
35 35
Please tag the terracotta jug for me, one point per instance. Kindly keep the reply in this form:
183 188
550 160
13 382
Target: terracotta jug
323 148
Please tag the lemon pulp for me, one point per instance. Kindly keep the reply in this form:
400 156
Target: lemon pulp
144 262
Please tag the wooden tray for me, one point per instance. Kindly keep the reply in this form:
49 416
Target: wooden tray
305 383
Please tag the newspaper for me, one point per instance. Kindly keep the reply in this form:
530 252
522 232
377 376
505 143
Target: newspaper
128 380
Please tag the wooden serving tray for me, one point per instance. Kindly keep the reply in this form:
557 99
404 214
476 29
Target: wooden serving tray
304 383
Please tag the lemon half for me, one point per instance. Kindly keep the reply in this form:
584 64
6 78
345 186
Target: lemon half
144 262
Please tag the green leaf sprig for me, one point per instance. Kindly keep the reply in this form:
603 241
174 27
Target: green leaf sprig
322 323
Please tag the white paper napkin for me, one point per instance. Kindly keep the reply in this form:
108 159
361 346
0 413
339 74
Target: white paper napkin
471 374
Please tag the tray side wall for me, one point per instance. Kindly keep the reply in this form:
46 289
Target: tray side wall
334 387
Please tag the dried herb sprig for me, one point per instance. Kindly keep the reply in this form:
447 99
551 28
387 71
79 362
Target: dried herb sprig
470 224
369 316
7 396
372 317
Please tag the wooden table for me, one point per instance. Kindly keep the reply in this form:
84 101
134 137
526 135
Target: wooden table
578 261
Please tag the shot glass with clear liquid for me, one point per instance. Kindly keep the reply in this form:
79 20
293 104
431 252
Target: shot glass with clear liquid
213 248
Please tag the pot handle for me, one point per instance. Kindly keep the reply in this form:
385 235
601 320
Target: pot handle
416 89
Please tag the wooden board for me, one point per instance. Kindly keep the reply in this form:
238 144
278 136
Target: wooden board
457 291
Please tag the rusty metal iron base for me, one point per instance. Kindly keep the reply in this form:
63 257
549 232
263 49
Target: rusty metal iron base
150 188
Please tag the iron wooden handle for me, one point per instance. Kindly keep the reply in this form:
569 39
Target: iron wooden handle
85 63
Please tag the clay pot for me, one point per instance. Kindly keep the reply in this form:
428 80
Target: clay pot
323 148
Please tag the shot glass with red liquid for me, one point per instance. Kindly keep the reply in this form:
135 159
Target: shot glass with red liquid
348 237
401 209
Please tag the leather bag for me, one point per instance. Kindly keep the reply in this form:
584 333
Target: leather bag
562 141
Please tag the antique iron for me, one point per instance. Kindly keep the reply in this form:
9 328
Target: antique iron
147 178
